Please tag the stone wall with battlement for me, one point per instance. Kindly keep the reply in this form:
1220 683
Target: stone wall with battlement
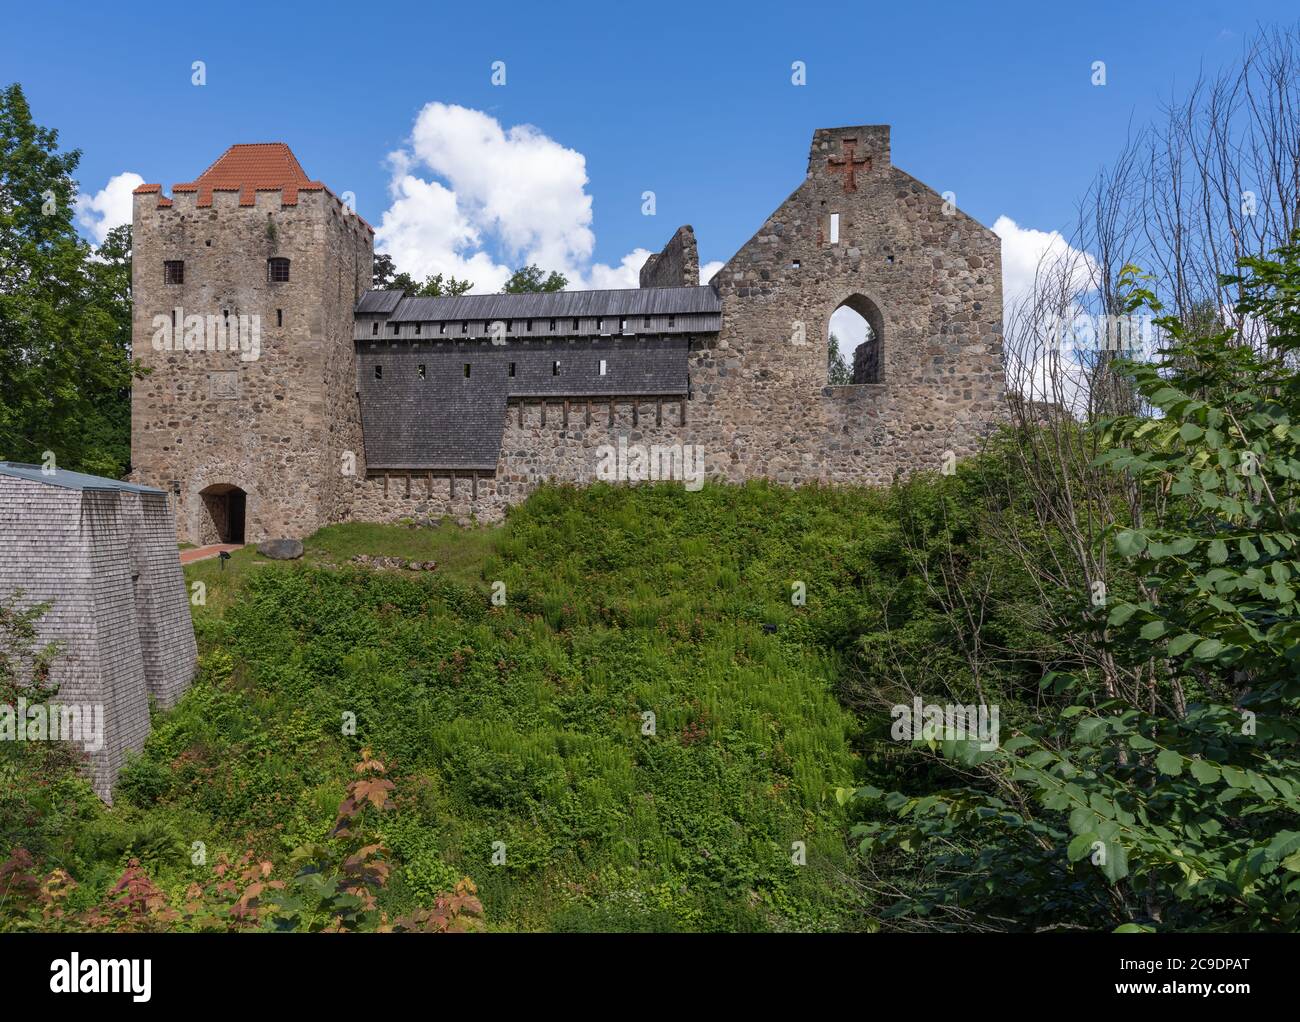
277 425
925 275
856 231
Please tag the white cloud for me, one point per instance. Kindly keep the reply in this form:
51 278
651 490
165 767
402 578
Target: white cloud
516 186
1025 249
464 185
707 270
1034 369
109 207
850 330
626 274
425 232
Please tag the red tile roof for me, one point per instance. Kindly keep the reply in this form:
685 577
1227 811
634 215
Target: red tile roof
264 166
248 169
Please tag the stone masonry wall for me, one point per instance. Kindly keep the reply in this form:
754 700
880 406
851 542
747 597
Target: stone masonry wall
274 426
531 455
925 275
678 265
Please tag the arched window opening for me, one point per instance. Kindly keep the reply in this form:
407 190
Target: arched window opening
855 350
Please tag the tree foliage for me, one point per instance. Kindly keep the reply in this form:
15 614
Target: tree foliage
1122 809
65 326
531 279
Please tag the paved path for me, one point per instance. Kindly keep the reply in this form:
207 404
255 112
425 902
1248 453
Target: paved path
202 553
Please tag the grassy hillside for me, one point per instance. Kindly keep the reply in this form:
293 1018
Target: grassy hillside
520 727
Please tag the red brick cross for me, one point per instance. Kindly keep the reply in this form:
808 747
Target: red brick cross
845 164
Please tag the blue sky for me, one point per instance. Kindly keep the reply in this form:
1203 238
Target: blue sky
693 102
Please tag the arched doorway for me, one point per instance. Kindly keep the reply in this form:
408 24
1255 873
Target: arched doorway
224 509
857 328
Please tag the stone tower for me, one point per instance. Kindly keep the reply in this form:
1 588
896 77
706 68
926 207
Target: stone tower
244 284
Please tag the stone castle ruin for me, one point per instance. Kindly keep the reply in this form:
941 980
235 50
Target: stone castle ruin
285 395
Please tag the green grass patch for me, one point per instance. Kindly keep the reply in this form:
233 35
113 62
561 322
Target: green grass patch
647 729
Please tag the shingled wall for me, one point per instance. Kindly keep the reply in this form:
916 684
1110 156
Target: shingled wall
106 562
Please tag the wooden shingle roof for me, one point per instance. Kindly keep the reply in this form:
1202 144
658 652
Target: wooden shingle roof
639 301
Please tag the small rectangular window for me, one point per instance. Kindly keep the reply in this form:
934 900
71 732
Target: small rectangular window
174 271
396 328
552 326
464 326
645 322
602 367
575 324
442 328
600 324
379 372
622 324
835 228
512 369
467 370
420 369
277 270
555 368
510 326
279 317
794 265
672 322
530 326
374 329
417 329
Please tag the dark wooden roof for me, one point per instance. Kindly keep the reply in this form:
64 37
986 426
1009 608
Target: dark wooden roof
645 301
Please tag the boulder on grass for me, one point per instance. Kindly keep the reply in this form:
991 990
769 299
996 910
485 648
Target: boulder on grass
280 549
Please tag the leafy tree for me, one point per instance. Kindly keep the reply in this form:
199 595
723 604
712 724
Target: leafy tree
64 340
531 279
384 273
386 277
838 372
1133 812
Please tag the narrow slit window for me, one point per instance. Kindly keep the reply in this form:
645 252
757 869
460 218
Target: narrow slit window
672 322
622 324
575 324
530 326
512 369
602 367
396 327
374 329
645 322
279 317
379 372
464 326
552 326
442 328
417 329
420 369
174 271
835 228
555 368
466 370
